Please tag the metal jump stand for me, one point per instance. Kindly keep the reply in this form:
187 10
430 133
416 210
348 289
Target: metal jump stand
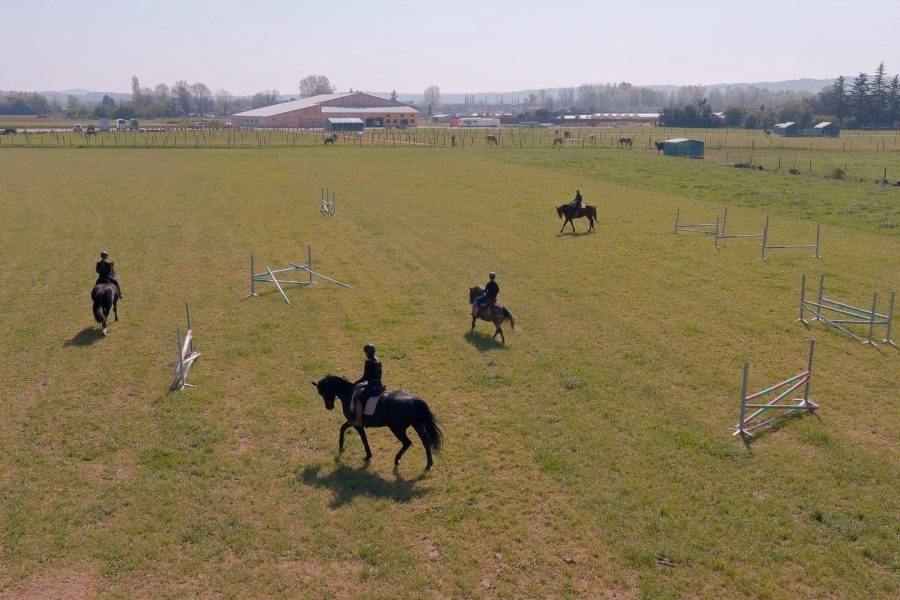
766 246
327 203
269 276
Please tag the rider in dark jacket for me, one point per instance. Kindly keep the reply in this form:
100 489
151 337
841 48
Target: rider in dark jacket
577 201
489 296
372 376
106 272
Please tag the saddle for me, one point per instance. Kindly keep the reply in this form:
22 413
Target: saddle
370 403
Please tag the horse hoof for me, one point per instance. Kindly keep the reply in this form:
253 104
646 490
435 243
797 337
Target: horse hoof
104 331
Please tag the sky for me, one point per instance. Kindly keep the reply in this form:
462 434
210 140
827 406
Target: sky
464 46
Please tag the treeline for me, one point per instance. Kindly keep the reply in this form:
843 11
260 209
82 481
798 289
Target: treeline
859 103
24 103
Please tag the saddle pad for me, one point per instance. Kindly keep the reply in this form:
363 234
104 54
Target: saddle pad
371 405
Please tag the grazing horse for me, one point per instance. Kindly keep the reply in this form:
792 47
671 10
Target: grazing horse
767 132
558 141
625 141
397 410
592 138
330 139
496 313
105 297
660 146
491 140
567 135
88 132
568 211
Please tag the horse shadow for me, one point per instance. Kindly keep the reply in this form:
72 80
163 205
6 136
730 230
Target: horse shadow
346 483
483 341
575 233
85 337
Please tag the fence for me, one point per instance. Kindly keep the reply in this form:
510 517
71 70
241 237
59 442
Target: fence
858 316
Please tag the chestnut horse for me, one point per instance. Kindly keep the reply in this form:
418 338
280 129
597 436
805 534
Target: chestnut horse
568 211
496 313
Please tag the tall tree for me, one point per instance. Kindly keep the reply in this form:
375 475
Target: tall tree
394 95
136 95
879 93
432 98
313 85
859 97
893 101
202 98
264 98
224 99
839 98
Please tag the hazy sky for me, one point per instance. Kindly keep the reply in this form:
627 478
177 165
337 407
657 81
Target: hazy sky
495 45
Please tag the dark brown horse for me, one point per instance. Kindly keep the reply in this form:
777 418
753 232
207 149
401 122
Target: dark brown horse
568 211
330 139
625 141
558 141
105 297
397 410
492 140
496 313
660 146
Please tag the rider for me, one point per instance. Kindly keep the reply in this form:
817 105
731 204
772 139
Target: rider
106 272
577 202
372 376
489 296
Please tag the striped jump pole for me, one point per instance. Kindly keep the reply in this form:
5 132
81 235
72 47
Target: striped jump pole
744 426
840 314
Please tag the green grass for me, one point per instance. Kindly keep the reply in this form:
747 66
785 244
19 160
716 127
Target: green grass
580 459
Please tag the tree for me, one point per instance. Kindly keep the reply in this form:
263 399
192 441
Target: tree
313 85
878 100
223 99
136 97
734 116
181 93
839 98
264 98
432 98
894 101
393 95
859 96
202 98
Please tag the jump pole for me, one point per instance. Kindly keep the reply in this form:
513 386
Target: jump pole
723 235
766 245
854 314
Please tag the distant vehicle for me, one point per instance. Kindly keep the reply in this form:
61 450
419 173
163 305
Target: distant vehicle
8 131
200 125
121 124
133 124
91 128
76 128
104 124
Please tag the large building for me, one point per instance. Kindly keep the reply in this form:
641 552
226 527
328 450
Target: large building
316 110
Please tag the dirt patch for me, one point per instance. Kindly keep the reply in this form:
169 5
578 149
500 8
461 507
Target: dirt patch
57 584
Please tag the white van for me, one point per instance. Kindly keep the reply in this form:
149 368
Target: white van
121 124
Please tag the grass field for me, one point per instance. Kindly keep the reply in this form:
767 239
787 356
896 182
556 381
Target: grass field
590 457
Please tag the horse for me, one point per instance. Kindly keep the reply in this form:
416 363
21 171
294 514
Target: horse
397 410
767 132
625 141
88 132
492 139
567 135
660 147
495 313
568 211
592 138
330 139
105 296
558 141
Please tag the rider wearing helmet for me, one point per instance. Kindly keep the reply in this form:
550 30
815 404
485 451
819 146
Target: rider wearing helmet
372 376
106 272
577 201
489 296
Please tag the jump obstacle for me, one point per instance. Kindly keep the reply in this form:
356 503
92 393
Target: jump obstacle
268 276
186 356
766 246
856 315
744 426
703 228
327 203
721 234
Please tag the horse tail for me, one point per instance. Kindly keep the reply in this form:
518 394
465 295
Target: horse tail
96 296
429 422
508 315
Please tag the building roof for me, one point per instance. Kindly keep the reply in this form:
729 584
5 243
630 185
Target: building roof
392 108
784 125
277 109
334 120
823 124
681 140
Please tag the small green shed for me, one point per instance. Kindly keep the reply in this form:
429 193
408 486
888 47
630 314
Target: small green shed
787 129
683 147
344 124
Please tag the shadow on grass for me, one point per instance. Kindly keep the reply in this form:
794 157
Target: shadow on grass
575 233
85 337
347 483
483 341
777 424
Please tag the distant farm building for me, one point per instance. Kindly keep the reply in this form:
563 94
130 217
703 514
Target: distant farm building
610 119
787 129
824 129
474 122
314 112
344 124
683 147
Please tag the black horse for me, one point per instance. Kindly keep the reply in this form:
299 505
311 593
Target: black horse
397 410
105 297
569 212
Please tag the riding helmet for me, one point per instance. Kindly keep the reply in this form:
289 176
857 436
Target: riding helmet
492 274
104 254
369 349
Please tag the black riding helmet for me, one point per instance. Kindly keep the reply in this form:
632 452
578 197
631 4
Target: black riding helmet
492 274
369 349
104 254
